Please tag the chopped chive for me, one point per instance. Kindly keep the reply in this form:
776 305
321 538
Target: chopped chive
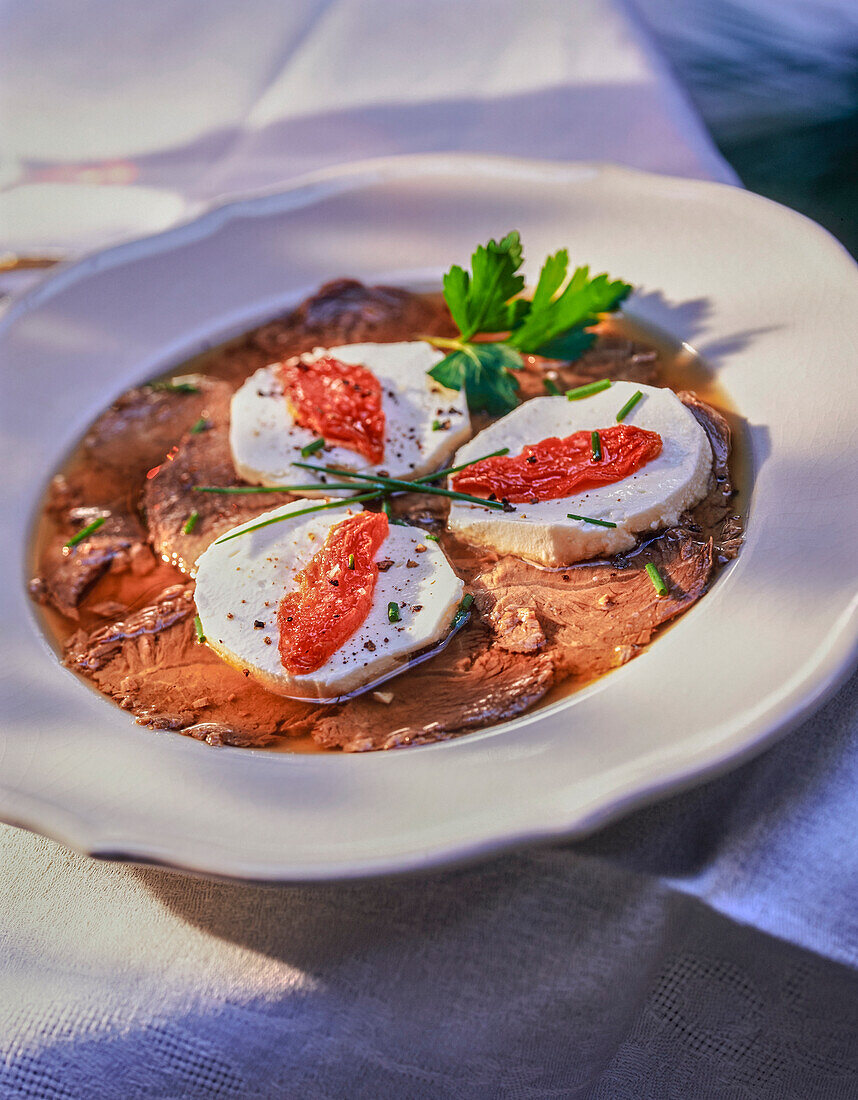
311 448
456 469
656 578
191 522
629 405
587 519
551 387
393 615
198 626
351 561
200 426
389 483
85 532
270 489
343 503
175 387
462 610
588 390
437 426
434 538
596 446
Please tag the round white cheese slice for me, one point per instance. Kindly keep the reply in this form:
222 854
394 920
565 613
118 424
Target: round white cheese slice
424 422
650 499
240 584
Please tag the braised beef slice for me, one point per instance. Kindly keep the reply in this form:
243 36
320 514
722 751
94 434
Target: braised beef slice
123 444
613 356
714 513
67 573
138 429
472 683
152 664
347 312
590 618
200 458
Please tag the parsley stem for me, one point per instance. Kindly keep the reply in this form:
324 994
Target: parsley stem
657 580
84 532
587 519
343 503
588 390
443 342
407 486
629 405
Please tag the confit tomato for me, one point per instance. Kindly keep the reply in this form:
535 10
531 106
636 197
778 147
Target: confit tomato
557 468
333 593
341 402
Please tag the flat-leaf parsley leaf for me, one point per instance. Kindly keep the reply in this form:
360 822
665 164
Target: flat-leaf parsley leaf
554 323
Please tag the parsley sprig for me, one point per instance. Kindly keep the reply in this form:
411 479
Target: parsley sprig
553 323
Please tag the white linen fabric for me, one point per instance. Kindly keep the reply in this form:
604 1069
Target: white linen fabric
705 947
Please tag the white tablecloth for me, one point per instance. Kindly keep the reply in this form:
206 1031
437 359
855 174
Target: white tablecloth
703 948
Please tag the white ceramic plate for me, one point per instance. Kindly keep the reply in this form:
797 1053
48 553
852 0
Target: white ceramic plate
769 297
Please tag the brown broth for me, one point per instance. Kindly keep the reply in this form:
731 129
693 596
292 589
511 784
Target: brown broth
679 366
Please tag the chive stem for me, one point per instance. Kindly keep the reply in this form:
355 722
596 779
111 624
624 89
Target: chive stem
198 626
85 532
351 561
587 519
462 611
201 426
191 522
175 387
657 579
406 486
596 446
432 538
385 507
588 390
629 405
456 469
551 387
343 503
393 615
270 489
311 448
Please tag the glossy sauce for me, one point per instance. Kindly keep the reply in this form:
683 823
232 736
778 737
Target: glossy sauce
679 367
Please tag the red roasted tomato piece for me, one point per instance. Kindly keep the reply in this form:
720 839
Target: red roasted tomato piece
560 467
339 401
330 600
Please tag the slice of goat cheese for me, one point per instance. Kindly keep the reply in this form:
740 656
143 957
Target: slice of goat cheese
424 421
240 583
651 498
